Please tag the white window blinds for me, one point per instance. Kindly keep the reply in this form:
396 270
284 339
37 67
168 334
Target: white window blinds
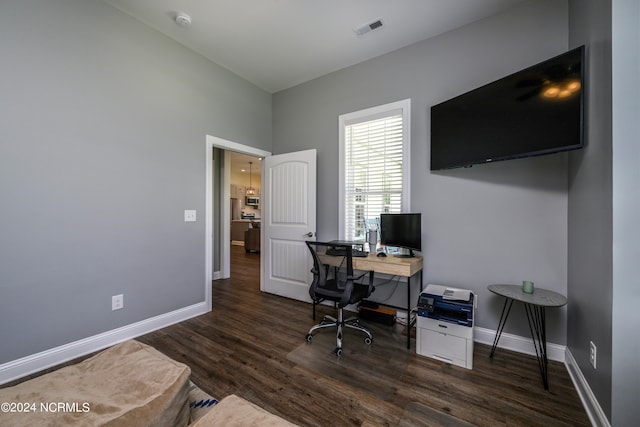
374 169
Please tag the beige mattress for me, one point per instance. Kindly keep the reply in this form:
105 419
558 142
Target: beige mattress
130 384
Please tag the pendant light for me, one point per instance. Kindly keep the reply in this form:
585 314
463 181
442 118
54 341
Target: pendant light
250 190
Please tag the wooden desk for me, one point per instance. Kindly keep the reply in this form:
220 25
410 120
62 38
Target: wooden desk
404 267
395 266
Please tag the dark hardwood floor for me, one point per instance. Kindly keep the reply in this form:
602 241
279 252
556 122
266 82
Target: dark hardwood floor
242 347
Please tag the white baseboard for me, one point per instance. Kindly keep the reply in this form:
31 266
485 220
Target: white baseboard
517 343
36 362
591 406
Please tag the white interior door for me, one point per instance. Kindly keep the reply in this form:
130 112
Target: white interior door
288 218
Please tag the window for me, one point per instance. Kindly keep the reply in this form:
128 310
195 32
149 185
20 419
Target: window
374 166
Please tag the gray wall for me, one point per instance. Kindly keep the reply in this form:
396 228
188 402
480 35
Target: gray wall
590 206
625 362
102 144
495 223
102 124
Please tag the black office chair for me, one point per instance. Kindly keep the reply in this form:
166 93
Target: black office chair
333 280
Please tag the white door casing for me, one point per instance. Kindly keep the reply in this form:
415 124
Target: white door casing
288 219
225 215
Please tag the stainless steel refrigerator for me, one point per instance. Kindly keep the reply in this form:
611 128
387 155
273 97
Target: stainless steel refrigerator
236 209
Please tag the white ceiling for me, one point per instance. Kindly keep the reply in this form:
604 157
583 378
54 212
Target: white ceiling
277 44
240 164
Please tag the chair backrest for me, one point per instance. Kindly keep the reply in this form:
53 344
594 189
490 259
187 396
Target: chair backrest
332 272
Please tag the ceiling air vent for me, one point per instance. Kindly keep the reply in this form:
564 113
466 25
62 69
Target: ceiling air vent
365 28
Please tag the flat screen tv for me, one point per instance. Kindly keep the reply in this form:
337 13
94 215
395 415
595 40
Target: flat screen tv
402 230
538 110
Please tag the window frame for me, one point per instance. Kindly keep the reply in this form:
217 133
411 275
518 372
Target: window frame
365 115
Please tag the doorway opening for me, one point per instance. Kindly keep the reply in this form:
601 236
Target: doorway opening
245 190
218 201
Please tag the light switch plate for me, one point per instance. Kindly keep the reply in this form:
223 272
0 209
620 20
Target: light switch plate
189 216
117 302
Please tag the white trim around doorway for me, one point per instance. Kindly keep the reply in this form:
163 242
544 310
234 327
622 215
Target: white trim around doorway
212 142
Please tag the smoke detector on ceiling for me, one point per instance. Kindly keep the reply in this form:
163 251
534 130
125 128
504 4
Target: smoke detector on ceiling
371 26
183 20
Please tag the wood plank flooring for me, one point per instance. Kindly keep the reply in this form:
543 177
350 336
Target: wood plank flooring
241 347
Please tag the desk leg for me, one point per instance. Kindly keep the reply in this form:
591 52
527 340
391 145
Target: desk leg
508 302
409 322
536 318
408 312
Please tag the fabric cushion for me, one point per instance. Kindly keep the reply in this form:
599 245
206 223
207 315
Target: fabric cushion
234 411
130 384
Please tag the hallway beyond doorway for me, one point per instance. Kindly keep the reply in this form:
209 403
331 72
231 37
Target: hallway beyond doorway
245 268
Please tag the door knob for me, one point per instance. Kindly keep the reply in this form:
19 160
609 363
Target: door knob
309 234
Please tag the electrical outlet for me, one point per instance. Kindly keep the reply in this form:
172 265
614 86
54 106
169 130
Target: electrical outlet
592 354
189 215
117 302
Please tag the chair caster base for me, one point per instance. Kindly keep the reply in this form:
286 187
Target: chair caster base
338 351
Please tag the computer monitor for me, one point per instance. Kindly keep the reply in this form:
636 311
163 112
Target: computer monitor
402 230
